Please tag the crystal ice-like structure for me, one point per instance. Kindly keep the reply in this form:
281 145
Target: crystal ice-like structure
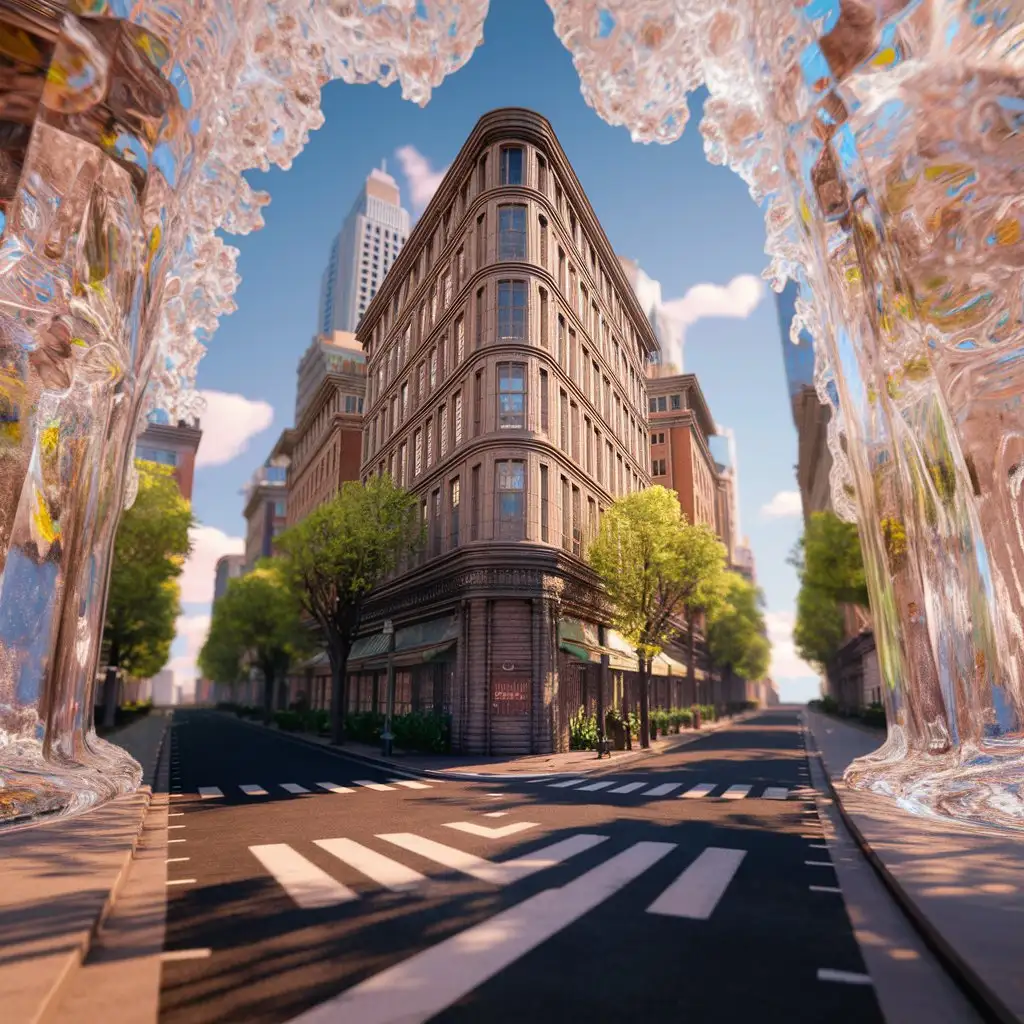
883 137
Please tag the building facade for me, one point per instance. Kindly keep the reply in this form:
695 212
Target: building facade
370 240
266 510
506 388
229 567
170 444
324 448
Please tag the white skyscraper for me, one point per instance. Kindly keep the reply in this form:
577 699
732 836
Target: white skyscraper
371 237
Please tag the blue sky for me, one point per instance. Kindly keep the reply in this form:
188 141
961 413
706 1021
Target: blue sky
687 223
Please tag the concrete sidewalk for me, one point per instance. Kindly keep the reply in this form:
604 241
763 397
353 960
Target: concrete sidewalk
962 888
59 880
475 766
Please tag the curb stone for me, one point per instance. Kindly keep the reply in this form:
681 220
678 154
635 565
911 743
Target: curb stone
989 1006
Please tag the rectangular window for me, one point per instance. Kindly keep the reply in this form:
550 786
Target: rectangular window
460 340
544 317
417 447
481 171
566 516
662 406
577 523
435 524
588 437
563 421
574 425
542 175
511 165
460 267
405 401
510 499
511 396
621 474
457 417
478 340
447 291
421 383
403 465
561 341
544 401
609 466
561 270
442 430
453 513
597 456
429 428
391 467
474 509
433 305
511 232
676 402
511 310
481 240
592 525
478 403
433 368
595 395
573 356
544 527
652 405
543 242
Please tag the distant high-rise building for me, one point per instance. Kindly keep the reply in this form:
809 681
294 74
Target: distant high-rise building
173 445
266 510
229 567
369 241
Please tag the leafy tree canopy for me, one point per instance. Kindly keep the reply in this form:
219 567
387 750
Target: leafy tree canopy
655 566
150 548
828 558
736 630
819 630
256 622
335 557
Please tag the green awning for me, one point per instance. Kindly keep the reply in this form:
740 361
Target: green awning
575 650
368 647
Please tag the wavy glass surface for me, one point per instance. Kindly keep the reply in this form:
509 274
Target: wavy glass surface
883 139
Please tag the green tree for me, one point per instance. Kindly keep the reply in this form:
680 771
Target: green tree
335 557
819 630
653 565
736 631
828 557
256 622
150 548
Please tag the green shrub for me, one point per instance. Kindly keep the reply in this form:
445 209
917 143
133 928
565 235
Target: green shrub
288 721
680 718
364 726
582 731
422 731
874 715
660 721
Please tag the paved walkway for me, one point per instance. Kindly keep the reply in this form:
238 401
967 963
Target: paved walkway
967 886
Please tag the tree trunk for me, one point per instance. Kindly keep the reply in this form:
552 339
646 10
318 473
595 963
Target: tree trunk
691 658
339 666
268 695
645 707
110 687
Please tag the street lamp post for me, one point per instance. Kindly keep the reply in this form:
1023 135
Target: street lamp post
387 738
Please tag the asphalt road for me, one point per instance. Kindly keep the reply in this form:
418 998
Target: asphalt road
503 902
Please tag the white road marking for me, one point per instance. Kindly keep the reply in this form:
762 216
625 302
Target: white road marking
380 869
307 884
175 826
410 783
630 787
181 881
735 792
378 786
209 792
418 989
177 860
663 790
843 977
177 794
819 863
817 846
292 787
333 787
253 790
567 783
170 955
176 814
824 888
175 840
595 786
483 870
698 791
498 832
775 793
696 892
495 814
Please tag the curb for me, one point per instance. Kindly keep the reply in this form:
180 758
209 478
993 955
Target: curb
440 774
977 992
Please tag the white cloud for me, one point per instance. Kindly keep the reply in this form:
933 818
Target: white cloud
229 423
423 180
208 544
192 630
737 300
786 663
784 505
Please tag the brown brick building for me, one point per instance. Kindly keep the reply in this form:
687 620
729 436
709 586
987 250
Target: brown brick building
172 445
506 388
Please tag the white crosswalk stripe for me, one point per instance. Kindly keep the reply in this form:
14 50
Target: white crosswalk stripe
296 789
736 792
663 790
292 787
253 790
567 783
696 892
333 787
594 787
311 887
776 793
210 792
410 783
702 789
380 869
378 787
630 787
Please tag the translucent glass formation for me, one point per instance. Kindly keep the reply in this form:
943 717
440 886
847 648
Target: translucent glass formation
883 138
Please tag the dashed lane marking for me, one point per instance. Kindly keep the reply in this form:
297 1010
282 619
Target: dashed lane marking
696 892
380 869
309 886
